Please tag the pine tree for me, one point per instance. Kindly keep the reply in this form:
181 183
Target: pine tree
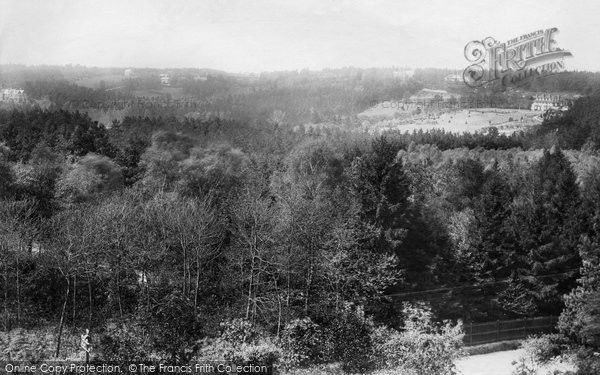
549 227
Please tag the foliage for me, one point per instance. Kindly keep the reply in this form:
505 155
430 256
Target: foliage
92 175
241 343
164 226
303 343
350 339
35 346
422 347
239 331
173 327
539 351
125 342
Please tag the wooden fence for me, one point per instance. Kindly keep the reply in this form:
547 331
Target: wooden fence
483 333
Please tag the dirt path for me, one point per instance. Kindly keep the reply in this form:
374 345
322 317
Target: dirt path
499 363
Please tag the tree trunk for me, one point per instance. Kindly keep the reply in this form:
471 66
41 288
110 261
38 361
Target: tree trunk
89 302
197 287
119 297
189 277
62 318
74 296
147 290
250 288
308 283
18 292
279 315
184 270
289 273
6 294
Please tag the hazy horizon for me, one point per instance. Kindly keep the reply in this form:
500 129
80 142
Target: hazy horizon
267 35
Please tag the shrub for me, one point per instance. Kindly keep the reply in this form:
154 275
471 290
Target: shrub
587 361
239 331
22 345
540 351
34 346
350 341
302 343
423 348
173 327
260 353
545 348
125 343
242 343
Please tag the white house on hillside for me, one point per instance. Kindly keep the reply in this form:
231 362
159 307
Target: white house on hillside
13 96
544 102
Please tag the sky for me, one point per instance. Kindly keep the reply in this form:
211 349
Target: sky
267 35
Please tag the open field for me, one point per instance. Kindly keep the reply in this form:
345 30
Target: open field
387 109
110 80
465 120
175 92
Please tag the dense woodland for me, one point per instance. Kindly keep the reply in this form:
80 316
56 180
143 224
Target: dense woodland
178 238
335 95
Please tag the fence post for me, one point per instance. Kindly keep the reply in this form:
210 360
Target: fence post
497 330
471 334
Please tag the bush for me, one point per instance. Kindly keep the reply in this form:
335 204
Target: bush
349 338
125 343
587 361
239 331
546 348
241 343
172 326
22 345
540 351
260 353
423 348
303 343
37 345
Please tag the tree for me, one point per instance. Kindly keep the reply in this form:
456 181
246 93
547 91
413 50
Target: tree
492 239
253 226
382 189
17 231
91 176
173 327
352 272
313 169
71 239
548 225
580 319
215 171
6 180
192 227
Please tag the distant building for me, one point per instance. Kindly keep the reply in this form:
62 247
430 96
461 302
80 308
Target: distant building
13 96
544 102
165 79
128 73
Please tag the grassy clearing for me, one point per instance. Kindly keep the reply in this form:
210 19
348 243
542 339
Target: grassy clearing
461 121
110 80
175 92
